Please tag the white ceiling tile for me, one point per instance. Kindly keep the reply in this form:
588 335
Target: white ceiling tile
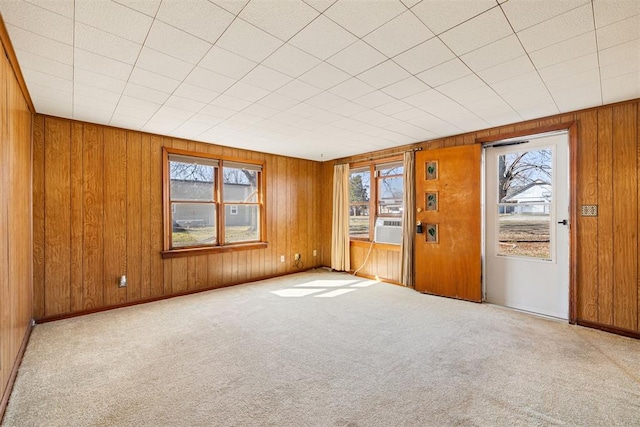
114 18
163 64
352 89
106 44
261 110
44 65
326 101
278 101
569 49
326 117
498 116
410 3
246 92
569 68
441 15
246 40
620 32
172 114
409 115
99 81
162 124
90 102
90 61
494 54
39 45
542 110
233 6
226 63
88 91
282 19
620 88
584 79
435 125
620 53
424 56
357 58
322 38
154 81
607 12
204 119
477 32
228 103
462 86
524 99
393 107
520 81
362 17
375 118
621 68
526 13
46 80
64 7
374 99
444 73
423 99
125 121
171 41
190 129
133 90
507 70
562 27
195 93
184 104
303 110
36 19
383 74
291 61
91 115
200 18
136 107
209 80
298 90
218 112
320 5
413 131
324 76
399 34
577 98
406 87
266 78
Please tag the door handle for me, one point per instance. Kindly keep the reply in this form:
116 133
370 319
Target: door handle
563 222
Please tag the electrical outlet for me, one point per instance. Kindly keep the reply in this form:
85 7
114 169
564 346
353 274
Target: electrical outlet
315 253
296 257
123 282
281 258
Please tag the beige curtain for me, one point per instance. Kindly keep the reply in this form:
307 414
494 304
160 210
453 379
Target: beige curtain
340 258
408 220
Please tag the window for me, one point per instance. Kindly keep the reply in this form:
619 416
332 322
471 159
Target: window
383 198
211 203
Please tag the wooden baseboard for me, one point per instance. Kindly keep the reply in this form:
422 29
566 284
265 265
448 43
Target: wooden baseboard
14 372
159 298
611 329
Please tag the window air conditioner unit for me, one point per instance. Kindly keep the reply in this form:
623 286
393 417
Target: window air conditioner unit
388 231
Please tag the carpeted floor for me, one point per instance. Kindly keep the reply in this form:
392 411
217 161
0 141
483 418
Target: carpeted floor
323 349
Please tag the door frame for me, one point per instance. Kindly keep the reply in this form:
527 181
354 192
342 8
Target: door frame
572 130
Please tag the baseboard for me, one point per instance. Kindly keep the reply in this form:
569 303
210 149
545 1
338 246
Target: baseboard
14 372
611 329
158 298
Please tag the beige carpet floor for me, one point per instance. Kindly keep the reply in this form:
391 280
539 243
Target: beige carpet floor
323 349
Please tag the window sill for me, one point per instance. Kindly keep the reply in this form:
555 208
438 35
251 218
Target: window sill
177 253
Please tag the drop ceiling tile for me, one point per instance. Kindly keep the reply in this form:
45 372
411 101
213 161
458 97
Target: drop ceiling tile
88 91
38 20
154 81
44 65
542 110
621 88
90 61
510 69
436 125
126 121
320 5
521 81
569 49
138 107
444 73
326 101
90 102
184 104
106 44
324 76
400 34
200 18
99 81
351 89
357 58
562 27
38 45
620 53
298 90
526 99
361 17
618 33
424 56
375 118
233 6
526 13
209 80
228 103
322 38
291 61
413 131
406 87
64 8
248 41
261 111
226 63
91 115
282 19
577 98
425 98
621 68
171 41
172 114
499 116
56 106
114 18
46 80
409 115
161 124
383 74
349 109
133 90
607 12
374 99
190 129
477 32
494 54
303 110
278 101
204 119
442 15
266 78
393 107
584 79
569 68
410 3
163 64
218 112
242 120
246 92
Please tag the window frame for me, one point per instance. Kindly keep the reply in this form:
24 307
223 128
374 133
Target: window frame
220 245
373 192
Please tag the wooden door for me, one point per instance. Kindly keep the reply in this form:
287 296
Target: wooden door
448 251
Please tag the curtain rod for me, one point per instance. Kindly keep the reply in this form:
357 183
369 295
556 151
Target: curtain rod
381 156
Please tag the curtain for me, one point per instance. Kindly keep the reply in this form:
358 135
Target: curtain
340 258
408 220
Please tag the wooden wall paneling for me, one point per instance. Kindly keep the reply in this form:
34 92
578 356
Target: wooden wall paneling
58 217
167 264
93 219
179 273
625 214
381 262
6 306
280 190
272 209
638 160
77 267
605 217
146 247
134 216
156 285
587 186
115 214
38 217
295 201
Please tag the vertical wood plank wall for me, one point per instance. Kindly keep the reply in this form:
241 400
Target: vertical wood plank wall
98 215
608 160
15 223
